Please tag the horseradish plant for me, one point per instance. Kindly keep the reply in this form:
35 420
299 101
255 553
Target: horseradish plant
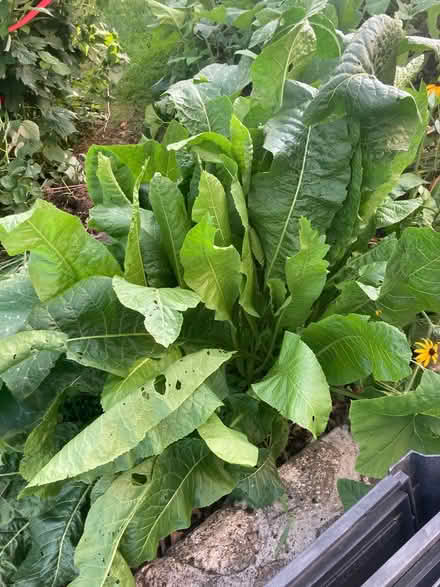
157 370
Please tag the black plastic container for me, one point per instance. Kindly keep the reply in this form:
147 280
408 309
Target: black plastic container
390 538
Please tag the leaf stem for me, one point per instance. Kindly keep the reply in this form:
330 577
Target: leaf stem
412 379
272 344
419 367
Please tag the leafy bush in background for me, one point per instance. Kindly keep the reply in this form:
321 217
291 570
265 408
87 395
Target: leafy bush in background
156 371
41 67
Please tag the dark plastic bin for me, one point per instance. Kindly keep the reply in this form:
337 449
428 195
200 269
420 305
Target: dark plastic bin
391 537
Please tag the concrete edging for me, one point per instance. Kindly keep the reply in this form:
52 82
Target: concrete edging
237 548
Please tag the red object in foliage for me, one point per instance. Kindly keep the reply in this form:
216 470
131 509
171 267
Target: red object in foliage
29 16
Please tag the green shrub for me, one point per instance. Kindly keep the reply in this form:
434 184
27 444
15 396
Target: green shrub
235 291
41 67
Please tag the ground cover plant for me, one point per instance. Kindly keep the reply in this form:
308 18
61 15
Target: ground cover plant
234 288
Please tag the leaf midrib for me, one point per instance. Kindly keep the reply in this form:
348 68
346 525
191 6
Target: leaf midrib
292 206
170 501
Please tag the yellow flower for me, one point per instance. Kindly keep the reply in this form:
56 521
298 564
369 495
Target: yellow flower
433 89
427 352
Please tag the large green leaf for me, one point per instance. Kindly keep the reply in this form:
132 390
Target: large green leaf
307 178
206 143
261 486
120 574
354 297
26 358
350 347
162 307
306 274
248 285
101 332
170 212
243 150
62 252
142 370
55 533
112 213
25 377
134 270
387 428
146 504
186 476
390 141
146 416
126 161
344 229
17 297
362 88
380 253
230 445
212 200
108 518
367 66
202 104
154 256
412 278
277 62
228 79
212 272
296 386
394 211
41 445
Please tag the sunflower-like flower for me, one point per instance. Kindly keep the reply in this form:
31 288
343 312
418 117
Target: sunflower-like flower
427 353
433 89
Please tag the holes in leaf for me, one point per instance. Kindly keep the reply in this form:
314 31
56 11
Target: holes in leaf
138 479
159 384
178 385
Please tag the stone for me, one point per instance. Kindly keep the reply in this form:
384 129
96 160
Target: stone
235 547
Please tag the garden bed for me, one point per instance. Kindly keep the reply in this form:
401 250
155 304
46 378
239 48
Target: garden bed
239 547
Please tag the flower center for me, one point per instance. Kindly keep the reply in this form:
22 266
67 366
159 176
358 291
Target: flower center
431 352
